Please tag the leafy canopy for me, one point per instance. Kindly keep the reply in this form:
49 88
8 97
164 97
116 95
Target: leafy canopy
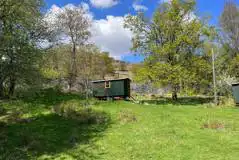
170 42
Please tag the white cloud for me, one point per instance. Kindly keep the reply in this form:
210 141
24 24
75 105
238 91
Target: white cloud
85 6
108 34
164 1
50 19
104 3
138 7
54 11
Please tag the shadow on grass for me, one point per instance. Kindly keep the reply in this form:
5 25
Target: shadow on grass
51 96
180 101
39 101
49 135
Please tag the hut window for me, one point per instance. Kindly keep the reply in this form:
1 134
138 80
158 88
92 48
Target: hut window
107 84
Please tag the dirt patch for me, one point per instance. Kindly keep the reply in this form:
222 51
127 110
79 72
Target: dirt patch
127 116
213 125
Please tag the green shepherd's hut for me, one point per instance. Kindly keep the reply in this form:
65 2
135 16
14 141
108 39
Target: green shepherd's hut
116 88
235 91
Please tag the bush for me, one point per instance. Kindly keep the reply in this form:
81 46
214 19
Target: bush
75 110
89 116
66 108
226 101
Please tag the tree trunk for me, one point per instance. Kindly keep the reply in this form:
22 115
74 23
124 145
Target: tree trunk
175 93
73 71
12 86
86 89
70 81
174 96
1 89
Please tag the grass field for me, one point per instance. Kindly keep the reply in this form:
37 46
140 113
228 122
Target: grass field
155 130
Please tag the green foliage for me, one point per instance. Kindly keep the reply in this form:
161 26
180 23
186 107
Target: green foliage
226 101
229 41
170 43
74 23
19 53
91 64
55 63
50 73
233 67
230 24
106 64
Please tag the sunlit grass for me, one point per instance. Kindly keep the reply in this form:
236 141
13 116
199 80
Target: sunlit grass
134 131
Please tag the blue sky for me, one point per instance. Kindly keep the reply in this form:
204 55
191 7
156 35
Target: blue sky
108 13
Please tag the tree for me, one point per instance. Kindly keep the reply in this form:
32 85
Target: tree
229 21
91 64
169 42
89 60
75 24
18 47
55 63
105 64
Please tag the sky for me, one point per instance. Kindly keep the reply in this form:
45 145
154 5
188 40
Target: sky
107 17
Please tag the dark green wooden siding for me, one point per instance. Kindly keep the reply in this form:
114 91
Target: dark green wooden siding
235 91
97 89
117 88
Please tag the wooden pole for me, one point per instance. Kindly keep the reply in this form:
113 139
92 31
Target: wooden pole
214 78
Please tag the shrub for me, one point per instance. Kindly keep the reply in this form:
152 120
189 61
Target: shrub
226 101
74 110
66 108
89 116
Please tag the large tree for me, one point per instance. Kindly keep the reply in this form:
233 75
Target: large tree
169 42
74 23
229 22
18 45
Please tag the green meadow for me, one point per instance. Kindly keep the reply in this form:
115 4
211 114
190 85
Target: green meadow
119 130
